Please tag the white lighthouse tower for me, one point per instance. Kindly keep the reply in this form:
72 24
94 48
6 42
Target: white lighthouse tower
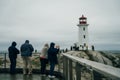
83 33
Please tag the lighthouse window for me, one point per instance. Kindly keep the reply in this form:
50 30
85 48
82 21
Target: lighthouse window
84 36
84 28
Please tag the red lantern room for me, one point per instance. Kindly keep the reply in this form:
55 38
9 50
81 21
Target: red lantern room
82 20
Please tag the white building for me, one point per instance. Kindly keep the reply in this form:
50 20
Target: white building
83 33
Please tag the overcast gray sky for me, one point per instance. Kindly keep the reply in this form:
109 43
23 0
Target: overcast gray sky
42 21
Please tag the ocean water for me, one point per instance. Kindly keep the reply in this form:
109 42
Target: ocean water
112 51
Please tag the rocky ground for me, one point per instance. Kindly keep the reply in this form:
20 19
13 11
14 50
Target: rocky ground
97 56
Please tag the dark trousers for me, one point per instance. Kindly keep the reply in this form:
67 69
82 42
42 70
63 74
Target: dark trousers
12 65
52 66
43 65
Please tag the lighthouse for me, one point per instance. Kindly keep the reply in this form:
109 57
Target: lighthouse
83 32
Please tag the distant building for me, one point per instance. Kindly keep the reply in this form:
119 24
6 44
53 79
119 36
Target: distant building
83 33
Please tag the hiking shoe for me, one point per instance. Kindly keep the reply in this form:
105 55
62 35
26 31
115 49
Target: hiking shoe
51 76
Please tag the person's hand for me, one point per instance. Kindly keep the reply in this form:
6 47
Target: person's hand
57 46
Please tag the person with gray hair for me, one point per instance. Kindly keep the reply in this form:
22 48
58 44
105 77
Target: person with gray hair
26 53
44 59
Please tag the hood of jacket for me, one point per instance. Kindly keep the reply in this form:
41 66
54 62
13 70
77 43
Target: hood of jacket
52 44
14 44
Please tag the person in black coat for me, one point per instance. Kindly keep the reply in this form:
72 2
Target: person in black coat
52 57
13 51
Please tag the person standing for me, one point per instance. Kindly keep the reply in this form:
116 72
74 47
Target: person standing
52 57
93 49
26 53
13 51
44 59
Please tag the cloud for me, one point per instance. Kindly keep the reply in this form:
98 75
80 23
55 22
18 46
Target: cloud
41 21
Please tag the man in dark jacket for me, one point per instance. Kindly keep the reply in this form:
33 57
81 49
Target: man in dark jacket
26 53
13 51
52 57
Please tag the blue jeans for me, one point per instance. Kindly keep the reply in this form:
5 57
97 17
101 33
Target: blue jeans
52 66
